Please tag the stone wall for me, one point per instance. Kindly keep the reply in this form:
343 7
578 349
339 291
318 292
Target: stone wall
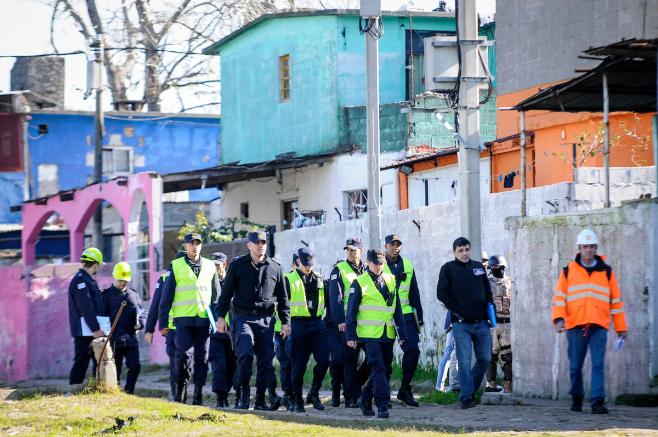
628 237
42 75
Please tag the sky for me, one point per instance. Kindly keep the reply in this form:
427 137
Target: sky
25 30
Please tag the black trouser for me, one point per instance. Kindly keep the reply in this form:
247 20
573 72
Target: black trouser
187 338
379 356
336 358
411 351
308 336
131 355
254 336
507 366
222 363
82 354
285 365
171 353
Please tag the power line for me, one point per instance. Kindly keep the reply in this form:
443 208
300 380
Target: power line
118 49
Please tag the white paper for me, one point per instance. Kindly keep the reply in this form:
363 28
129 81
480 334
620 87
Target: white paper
103 322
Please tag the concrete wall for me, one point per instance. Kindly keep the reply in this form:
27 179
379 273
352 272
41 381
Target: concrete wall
538 42
628 237
14 322
41 75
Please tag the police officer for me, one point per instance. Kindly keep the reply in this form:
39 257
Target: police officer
340 280
308 329
170 338
124 339
190 291
220 352
336 368
254 283
501 289
405 277
285 363
84 304
373 313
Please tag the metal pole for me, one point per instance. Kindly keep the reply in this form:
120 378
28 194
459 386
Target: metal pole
606 140
469 126
372 122
99 128
522 170
27 165
655 154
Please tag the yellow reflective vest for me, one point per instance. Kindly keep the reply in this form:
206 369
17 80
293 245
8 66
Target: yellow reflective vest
405 286
375 315
348 275
192 294
298 303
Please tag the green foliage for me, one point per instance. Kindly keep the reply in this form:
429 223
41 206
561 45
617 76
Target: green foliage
637 400
226 229
440 397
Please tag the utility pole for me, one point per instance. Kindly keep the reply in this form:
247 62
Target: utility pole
469 127
99 129
371 14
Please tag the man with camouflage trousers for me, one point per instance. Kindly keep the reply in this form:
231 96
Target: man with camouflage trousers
501 288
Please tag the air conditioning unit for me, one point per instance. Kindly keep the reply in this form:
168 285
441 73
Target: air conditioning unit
442 65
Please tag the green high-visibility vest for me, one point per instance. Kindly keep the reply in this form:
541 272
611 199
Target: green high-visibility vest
298 304
277 324
374 314
192 295
170 325
405 286
348 275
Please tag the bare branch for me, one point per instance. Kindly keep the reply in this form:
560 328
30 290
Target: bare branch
174 18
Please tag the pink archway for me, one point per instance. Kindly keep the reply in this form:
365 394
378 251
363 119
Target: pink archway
77 207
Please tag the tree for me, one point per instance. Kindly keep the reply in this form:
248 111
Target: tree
226 229
152 50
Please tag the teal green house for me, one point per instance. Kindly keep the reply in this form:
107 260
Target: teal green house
293 84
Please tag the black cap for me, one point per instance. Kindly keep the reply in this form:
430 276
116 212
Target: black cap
295 257
376 256
353 243
219 257
391 238
306 256
257 236
191 237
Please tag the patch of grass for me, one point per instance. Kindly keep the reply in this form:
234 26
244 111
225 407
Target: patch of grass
423 373
637 400
439 397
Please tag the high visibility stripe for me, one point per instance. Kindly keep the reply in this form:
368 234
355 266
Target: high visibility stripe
617 311
586 294
297 304
560 293
184 302
370 323
384 308
600 288
180 288
559 303
616 300
404 301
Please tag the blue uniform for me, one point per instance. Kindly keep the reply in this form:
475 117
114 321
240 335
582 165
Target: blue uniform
253 291
84 301
124 339
170 339
222 362
379 351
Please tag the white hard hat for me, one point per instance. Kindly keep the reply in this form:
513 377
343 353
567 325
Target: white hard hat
587 236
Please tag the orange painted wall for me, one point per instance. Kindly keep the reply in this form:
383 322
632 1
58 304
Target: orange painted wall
555 132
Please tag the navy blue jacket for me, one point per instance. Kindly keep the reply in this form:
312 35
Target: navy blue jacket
353 309
259 288
152 318
336 293
84 301
397 268
132 318
167 300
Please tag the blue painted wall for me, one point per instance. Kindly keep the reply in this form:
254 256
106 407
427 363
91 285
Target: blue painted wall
163 144
327 67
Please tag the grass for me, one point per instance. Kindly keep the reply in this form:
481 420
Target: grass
95 413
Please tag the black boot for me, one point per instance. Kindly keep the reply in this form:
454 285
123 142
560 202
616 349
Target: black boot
181 392
314 399
288 401
259 402
243 403
275 401
366 407
299 403
598 407
222 400
382 413
406 396
197 399
577 403
351 403
238 390
335 398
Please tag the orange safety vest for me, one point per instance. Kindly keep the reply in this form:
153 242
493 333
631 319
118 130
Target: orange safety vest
582 299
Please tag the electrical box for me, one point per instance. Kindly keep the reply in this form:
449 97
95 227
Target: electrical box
93 81
442 65
371 8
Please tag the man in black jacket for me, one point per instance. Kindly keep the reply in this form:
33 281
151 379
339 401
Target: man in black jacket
465 291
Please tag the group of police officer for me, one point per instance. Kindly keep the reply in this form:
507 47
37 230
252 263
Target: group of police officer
253 309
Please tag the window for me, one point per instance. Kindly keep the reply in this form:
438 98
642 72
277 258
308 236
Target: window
357 203
10 143
288 208
284 77
117 161
244 210
48 179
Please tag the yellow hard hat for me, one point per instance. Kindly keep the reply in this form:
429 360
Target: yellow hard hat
122 271
92 254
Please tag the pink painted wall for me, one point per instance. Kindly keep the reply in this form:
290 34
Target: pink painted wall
13 324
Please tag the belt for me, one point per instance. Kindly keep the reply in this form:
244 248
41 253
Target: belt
502 320
254 312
